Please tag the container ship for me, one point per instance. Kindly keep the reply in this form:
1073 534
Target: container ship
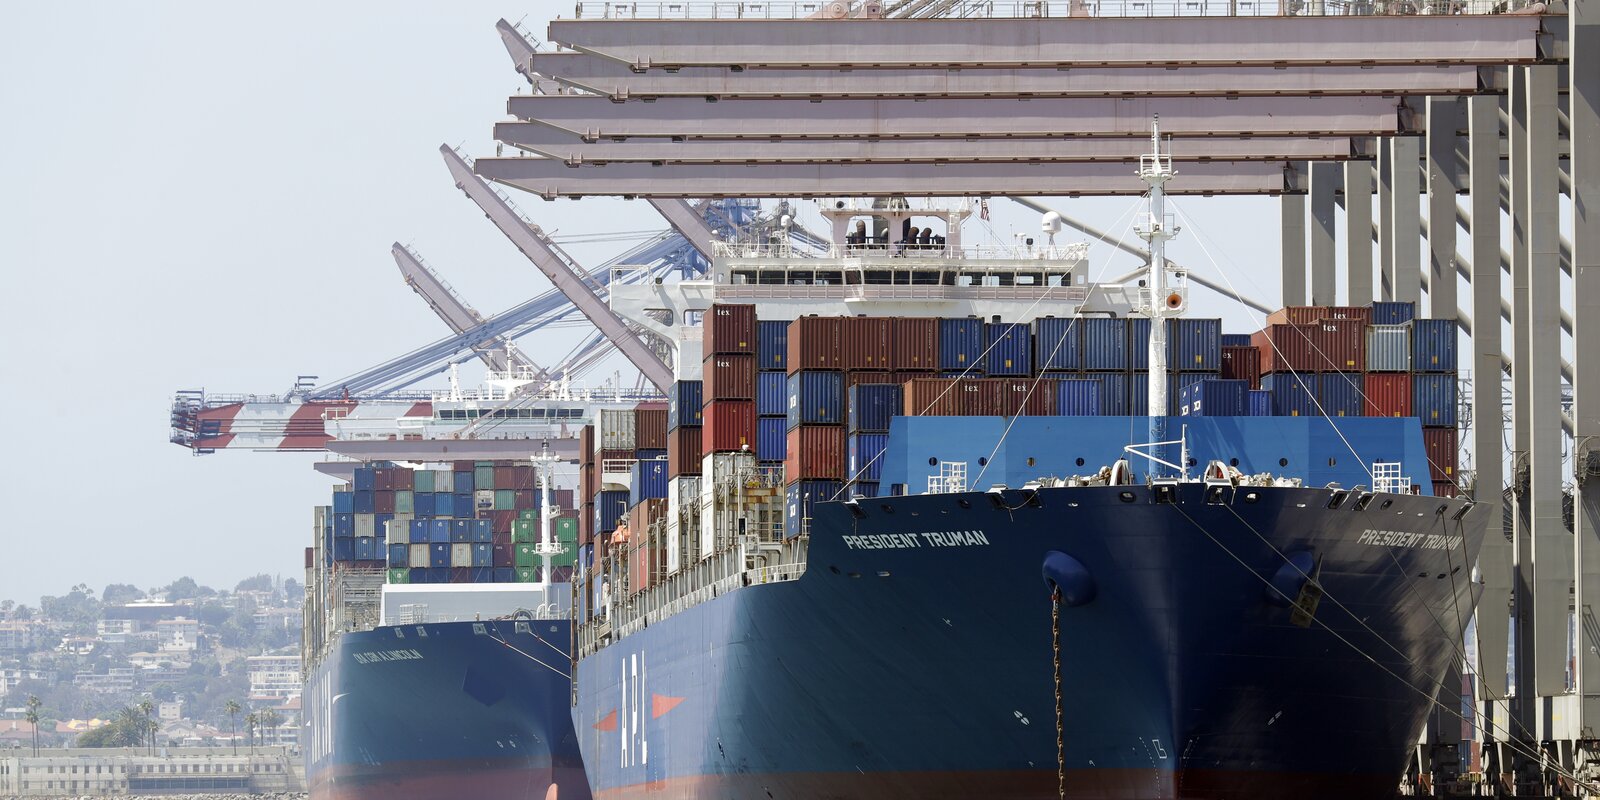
438 635
937 522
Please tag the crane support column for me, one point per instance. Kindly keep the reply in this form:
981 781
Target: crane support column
1404 216
1495 557
559 270
1444 119
687 221
1294 249
1324 279
1584 132
1384 168
1358 231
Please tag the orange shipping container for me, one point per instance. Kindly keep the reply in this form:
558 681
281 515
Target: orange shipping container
730 426
815 451
684 455
1388 394
1288 348
650 426
931 397
729 377
1444 447
1297 315
865 342
1242 364
814 344
914 343
729 329
1025 397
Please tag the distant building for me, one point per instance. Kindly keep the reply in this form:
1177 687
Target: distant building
170 712
116 631
274 677
181 634
118 680
78 645
21 636
11 677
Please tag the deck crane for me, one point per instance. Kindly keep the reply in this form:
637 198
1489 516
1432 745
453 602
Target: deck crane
456 313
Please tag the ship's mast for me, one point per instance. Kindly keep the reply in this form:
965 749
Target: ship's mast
546 463
1155 170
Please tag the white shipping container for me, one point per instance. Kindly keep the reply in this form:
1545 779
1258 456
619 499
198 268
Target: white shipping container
419 556
461 554
613 429
398 531
366 524
484 499
444 481
721 473
683 513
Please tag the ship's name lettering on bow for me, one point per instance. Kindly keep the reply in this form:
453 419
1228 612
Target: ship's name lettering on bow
1416 541
913 541
378 656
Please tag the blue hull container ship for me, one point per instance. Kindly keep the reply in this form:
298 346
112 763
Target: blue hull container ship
1136 605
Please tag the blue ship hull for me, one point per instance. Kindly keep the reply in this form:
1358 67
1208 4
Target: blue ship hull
913 659
466 710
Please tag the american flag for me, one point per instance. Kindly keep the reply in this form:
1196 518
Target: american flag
983 208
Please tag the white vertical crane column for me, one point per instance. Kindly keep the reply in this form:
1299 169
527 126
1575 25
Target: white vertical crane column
1324 278
1384 170
1494 559
1358 232
1552 545
1405 219
1583 19
1294 249
1444 120
1523 652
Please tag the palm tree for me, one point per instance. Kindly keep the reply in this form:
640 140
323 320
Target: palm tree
270 720
147 725
250 730
33 720
231 708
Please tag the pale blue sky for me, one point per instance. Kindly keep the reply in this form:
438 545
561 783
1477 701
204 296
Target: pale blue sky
203 195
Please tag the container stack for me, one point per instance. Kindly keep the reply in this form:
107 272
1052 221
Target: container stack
729 381
772 392
455 524
822 351
869 408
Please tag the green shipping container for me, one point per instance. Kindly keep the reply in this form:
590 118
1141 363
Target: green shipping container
399 575
422 480
527 575
524 531
525 555
403 502
566 529
483 478
528 513
504 499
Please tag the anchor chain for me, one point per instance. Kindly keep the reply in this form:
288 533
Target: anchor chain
1055 649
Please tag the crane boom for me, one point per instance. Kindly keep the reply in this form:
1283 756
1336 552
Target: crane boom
455 312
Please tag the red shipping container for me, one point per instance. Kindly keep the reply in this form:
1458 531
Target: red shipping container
815 451
650 426
865 342
730 426
730 377
615 461
500 520
902 375
586 524
1288 348
1341 345
1443 447
814 344
1388 394
504 478
1242 364
729 330
979 397
1444 489
683 452
401 479
1361 314
862 376
1297 315
311 557
563 500
383 502
501 538
914 343
1025 397
502 555
585 449
524 499
383 479
931 397
468 466
588 480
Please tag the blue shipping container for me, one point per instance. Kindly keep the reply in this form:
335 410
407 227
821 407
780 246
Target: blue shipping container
462 482
1079 397
1259 403
438 531
1105 343
960 345
422 505
772 345
649 455
1008 349
649 481
1113 393
1058 343
1341 394
799 498
816 398
1433 399
866 456
381 525
1293 394
419 531
366 548
504 574
684 404
1138 393
772 394
1433 345
609 508
483 556
439 574
344 549
444 504
1138 344
1237 340
1393 313
419 575
862 489
344 503
439 557
872 405
460 531
464 506
482 530
1194 345
772 439
1214 397
366 479
364 502
344 525
399 555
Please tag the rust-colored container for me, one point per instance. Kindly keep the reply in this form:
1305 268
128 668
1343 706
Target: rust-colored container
1242 364
729 330
914 344
730 377
643 515
311 557
1360 314
650 426
1341 345
614 456
382 479
588 481
1297 315
401 479
1443 447
1444 489
464 466
586 526
860 376
931 397
524 499
1024 397
1388 394
865 342
504 478
1288 348
383 502
501 521
585 447
814 451
730 426
980 397
683 452
814 344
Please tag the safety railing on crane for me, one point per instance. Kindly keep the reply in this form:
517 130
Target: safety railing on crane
1038 9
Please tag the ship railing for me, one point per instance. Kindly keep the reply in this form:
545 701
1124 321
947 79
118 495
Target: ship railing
1041 9
860 292
912 252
